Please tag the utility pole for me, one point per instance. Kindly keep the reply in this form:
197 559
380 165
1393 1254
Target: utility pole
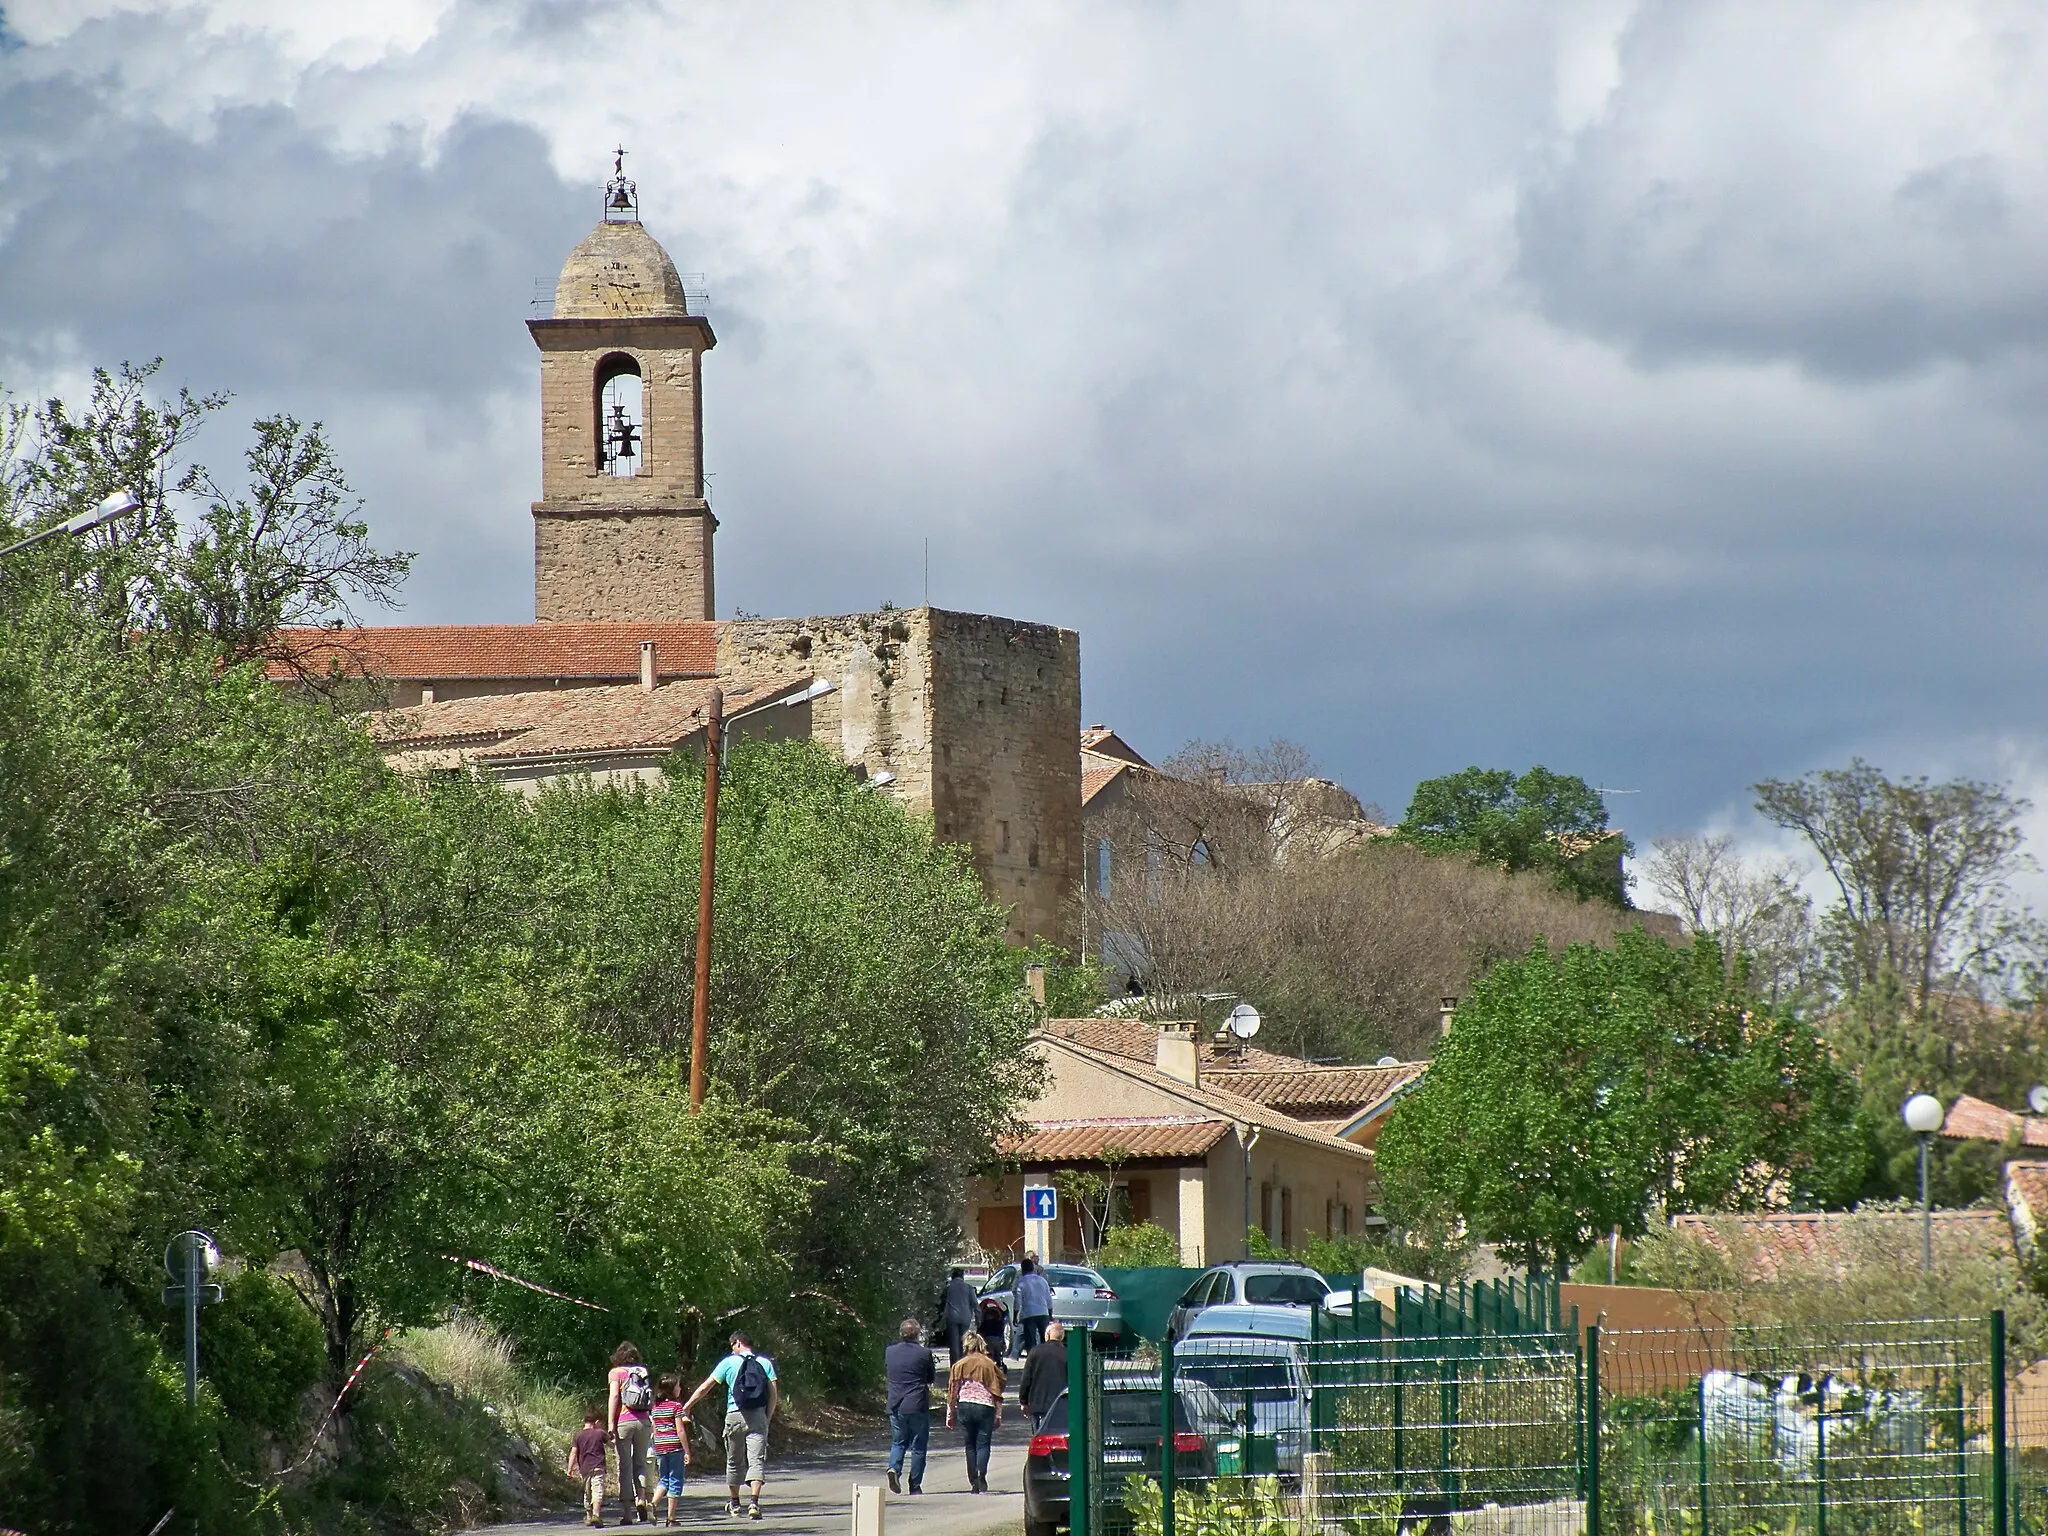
700 991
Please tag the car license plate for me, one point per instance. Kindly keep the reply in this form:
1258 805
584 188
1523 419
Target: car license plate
1123 1456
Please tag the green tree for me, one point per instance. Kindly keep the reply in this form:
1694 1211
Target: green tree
1538 820
1578 1092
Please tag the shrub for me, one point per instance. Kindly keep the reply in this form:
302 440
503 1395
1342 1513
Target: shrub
1139 1246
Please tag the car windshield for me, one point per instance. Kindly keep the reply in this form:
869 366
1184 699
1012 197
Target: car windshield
1073 1278
1286 1289
1233 1378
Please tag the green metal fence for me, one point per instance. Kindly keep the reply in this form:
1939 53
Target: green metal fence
1508 1425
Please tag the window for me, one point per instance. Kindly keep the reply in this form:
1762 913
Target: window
1266 1212
1286 1218
1002 837
1102 868
621 417
1288 1289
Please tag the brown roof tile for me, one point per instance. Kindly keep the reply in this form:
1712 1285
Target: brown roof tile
1138 1040
564 721
1087 1141
1101 741
1971 1119
433 651
2026 1196
1321 1088
1095 780
1778 1240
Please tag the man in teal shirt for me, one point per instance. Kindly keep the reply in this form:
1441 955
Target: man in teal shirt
751 1398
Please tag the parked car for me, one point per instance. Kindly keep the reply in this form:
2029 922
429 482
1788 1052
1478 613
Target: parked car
1263 1384
1079 1295
1249 1283
1130 1442
1292 1325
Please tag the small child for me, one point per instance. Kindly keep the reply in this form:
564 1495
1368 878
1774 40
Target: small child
586 1464
671 1444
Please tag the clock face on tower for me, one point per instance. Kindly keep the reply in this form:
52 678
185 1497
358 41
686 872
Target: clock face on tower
618 290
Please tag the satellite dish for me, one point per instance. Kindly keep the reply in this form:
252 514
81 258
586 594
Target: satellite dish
1388 1061
2037 1099
1244 1021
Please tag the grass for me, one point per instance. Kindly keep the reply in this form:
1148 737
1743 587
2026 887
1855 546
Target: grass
475 1361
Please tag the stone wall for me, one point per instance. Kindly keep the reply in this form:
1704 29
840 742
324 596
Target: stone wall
645 567
978 719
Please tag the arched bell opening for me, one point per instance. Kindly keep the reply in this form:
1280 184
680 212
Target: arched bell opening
621 416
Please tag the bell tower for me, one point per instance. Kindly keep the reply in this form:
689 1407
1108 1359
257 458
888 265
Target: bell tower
622 530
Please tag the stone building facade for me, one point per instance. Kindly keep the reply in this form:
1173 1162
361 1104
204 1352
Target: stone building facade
974 720
969 719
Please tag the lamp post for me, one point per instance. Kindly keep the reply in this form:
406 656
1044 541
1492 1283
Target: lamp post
1923 1115
120 504
715 727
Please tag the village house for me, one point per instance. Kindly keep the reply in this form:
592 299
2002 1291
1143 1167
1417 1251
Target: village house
1193 1137
969 719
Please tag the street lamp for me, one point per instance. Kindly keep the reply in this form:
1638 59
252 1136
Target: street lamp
1923 1115
119 504
188 1259
714 758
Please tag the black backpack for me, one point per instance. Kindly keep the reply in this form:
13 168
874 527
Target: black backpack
750 1383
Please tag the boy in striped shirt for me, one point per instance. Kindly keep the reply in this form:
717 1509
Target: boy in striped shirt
671 1445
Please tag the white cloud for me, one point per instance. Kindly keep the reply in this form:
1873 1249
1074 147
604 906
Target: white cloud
1649 390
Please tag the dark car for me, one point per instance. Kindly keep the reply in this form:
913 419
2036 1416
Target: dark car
1130 1444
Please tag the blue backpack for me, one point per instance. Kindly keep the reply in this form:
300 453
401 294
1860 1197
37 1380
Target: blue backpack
750 1383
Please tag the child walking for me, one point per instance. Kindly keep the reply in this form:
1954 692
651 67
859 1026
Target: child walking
586 1464
671 1446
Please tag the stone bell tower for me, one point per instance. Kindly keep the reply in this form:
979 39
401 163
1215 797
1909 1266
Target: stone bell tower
622 531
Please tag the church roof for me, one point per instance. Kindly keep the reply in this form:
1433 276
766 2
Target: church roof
618 271
428 652
565 722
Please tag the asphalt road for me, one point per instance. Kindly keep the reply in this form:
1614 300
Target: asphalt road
812 1492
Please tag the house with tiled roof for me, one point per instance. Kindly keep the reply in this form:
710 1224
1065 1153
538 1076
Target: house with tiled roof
969 719
1151 1109
610 734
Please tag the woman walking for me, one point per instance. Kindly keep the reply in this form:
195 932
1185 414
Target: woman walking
974 1400
629 1415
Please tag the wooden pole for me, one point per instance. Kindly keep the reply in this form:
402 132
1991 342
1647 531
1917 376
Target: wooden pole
700 990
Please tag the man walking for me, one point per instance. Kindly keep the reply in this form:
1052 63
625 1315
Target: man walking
751 1398
911 1371
1045 1375
957 1312
1034 1306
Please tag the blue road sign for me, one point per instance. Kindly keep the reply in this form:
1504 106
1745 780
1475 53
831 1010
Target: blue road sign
1041 1203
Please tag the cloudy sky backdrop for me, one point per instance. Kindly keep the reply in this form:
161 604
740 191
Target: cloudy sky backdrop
1654 391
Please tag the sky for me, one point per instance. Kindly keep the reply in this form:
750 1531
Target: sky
1651 391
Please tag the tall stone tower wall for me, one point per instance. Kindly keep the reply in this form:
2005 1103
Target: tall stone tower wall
978 718
622 547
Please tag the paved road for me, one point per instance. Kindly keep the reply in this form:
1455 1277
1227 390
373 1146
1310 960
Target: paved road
812 1493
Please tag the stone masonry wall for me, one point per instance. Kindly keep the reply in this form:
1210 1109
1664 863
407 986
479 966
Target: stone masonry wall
1007 780
646 567
978 718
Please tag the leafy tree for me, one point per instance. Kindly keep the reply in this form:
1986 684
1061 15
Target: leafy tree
1578 1092
1539 820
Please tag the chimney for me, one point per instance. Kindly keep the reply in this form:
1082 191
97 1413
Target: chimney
1034 982
1444 1010
647 665
1179 1057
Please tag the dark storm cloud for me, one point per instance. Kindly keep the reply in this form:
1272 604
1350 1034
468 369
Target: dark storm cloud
1385 380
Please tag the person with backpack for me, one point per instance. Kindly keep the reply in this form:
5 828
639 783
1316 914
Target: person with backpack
957 1312
751 1398
630 1419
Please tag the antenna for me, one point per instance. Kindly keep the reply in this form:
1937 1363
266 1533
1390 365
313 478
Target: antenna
1598 791
927 572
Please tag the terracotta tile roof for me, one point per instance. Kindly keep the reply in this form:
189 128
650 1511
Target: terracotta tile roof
1778 1240
1974 1120
1085 1141
564 721
1138 1040
1101 741
1095 780
2026 1197
432 651
1206 1097
1321 1088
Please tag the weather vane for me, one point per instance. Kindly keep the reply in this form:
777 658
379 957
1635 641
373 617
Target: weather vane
621 196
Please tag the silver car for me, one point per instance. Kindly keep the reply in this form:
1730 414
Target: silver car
1079 1295
1249 1283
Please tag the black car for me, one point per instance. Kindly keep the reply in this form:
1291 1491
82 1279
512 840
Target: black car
1130 1444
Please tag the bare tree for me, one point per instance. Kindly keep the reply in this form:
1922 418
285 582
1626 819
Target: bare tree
1755 908
1922 870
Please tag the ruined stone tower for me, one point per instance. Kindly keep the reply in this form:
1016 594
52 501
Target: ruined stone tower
622 531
